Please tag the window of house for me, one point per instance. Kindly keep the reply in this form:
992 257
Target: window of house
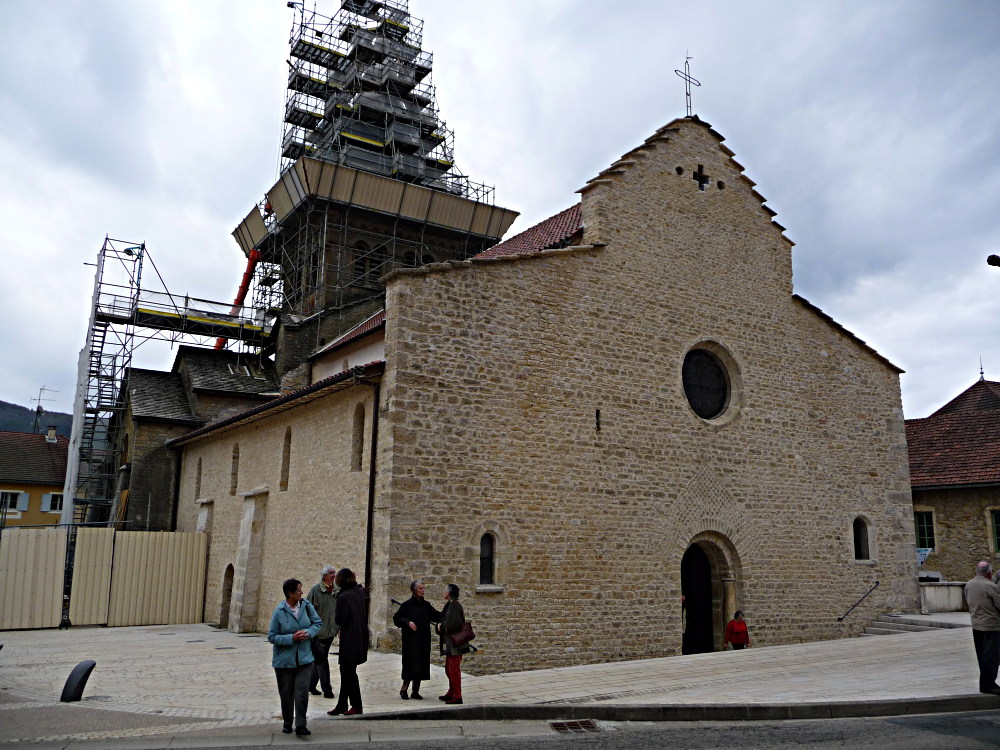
286 456
52 502
234 472
9 500
995 518
358 437
197 481
487 564
861 551
923 522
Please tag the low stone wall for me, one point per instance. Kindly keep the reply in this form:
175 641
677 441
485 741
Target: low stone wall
942 597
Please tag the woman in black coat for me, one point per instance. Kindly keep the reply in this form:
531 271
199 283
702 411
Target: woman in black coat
352 618
414 617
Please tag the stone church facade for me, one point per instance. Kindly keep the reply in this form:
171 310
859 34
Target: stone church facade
580 427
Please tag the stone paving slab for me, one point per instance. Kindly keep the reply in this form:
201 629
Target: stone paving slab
196 681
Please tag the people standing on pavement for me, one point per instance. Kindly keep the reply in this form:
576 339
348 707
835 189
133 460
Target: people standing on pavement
293 624
452 618
736 632
323 596
983 597
414 618
350 615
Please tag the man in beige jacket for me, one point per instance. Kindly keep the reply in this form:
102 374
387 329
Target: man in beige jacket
983 597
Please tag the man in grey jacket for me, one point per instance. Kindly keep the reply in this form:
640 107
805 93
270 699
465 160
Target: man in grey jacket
323 596
983 597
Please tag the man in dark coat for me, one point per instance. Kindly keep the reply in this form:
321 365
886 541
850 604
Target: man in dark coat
414 617
351 616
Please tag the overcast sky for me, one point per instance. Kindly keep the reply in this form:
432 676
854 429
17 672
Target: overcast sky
872 128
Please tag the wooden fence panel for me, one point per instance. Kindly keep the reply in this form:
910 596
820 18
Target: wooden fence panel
91 592
158 578
32 563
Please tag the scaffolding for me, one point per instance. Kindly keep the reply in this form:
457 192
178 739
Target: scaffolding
123 315
360 100
360 94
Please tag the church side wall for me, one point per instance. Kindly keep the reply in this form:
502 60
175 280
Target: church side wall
962 529
319 519
495 376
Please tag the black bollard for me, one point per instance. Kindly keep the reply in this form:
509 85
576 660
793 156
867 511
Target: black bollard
77 681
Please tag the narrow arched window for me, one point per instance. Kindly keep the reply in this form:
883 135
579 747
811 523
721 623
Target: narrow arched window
286 456
234 471
358 437
861 551
487 562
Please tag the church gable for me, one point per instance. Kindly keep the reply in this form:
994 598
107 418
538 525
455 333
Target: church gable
682 193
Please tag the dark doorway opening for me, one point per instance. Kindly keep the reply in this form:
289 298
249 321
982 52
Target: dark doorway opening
227 598
696 588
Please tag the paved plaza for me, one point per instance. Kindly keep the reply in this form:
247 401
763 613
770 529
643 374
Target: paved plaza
197 681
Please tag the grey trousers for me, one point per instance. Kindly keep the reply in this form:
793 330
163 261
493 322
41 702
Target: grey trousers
293 689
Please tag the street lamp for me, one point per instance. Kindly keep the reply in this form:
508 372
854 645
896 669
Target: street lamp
994 260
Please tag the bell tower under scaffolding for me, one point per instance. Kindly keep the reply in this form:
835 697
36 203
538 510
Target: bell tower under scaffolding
368 179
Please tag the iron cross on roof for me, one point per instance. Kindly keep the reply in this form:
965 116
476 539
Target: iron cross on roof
688 80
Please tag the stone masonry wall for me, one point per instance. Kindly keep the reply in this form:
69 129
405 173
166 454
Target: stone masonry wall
319 519
496 372
152 478
962 532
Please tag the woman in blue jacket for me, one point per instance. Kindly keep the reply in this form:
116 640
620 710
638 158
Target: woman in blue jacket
293 624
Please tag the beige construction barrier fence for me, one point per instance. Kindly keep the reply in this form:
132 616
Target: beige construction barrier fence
119 577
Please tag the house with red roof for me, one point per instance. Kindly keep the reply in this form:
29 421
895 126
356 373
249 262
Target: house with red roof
955 475
32 473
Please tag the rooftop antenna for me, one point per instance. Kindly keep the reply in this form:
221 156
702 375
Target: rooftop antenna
688 80
39 410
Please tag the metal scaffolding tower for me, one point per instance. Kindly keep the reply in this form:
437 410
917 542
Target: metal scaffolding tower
122 314
360 101
360 94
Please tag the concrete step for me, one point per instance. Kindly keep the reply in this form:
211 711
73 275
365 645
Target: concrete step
880 623
922 621
869 630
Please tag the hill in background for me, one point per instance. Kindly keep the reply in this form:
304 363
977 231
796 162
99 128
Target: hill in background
14 418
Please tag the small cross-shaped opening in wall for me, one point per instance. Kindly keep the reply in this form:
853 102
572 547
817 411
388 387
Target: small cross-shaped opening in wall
700 177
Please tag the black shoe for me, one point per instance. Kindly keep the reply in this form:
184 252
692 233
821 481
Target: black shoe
444 697
286 730
995 690
403 695
329 695
453 701
302 731
314 691
417 696
337 711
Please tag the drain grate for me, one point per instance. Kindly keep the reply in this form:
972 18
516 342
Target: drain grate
575 727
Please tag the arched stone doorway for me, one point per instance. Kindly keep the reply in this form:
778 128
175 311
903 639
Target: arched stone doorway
227 597
710 582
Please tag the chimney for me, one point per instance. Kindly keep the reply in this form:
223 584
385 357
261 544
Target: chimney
50 437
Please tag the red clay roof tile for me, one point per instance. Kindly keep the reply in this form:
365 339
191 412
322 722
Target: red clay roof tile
555 231
959 444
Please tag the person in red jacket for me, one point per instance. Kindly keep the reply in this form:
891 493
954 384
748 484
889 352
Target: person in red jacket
736 632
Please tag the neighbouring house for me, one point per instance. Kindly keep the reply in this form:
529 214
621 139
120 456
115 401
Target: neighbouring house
32 472
621 408
955 476
204 385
